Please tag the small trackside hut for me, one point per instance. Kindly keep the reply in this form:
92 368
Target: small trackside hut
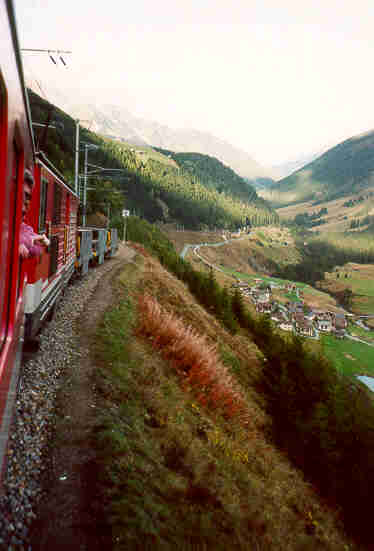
53 211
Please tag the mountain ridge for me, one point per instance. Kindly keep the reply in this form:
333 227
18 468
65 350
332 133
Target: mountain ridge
119 123
155 186
345 168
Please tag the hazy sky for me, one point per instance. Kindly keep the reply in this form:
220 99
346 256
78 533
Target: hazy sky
277 78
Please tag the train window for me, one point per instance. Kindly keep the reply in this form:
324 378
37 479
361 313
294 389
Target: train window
57 200
43 205
54 255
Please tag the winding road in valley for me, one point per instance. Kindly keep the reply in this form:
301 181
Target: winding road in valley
196 247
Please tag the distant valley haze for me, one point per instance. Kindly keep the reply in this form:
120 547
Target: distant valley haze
275 82
119 123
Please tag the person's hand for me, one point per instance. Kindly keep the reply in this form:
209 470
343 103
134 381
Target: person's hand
24 253
42 238
46 241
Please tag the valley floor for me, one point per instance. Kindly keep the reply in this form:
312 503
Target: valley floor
350 355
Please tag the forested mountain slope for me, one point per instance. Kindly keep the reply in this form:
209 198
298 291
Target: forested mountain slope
153 186
212 174
344 169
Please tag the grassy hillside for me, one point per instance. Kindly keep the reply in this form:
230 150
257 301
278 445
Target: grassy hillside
184 467
359 278
353 212
344 169
321 418
153 185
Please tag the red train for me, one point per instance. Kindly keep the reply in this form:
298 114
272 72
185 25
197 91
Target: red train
53 211
31 287
16 153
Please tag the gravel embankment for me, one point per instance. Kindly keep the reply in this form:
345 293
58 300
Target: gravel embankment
32 427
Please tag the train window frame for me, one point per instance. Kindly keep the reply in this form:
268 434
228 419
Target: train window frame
43 204
57 204
54 252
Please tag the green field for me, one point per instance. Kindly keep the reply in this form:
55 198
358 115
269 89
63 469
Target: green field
360 278
267 279
349 357
316 298
362 286
361 333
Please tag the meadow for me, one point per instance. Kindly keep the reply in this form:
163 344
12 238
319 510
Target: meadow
349 357
338 217
360 279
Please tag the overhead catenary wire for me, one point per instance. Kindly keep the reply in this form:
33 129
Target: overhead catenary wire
49 52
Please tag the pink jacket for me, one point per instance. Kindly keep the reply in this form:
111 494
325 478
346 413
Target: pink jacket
27 236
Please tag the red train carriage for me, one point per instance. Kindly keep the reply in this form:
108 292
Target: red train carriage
16 153
53 211
30 288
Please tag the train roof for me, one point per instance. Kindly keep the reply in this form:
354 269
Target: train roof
43 161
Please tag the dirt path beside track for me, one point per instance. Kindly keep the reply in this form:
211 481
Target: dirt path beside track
69 517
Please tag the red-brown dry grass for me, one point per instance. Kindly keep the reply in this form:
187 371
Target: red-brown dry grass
139 248
194 358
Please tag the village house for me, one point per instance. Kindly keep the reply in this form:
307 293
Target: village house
286 326
322 314
291 287
304 327
298 317
310 316
340 322
241 285
324 324
261 295
277 316
295 308
284 315
245 293
291 307
264 307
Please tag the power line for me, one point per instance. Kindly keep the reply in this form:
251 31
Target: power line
49 52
